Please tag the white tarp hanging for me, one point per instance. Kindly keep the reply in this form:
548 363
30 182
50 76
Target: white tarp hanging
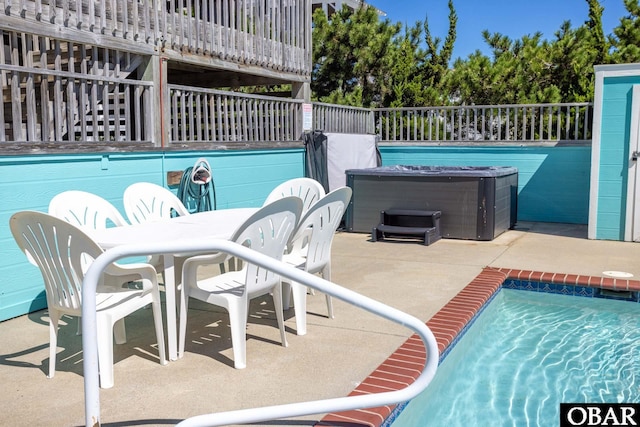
349 151
329 155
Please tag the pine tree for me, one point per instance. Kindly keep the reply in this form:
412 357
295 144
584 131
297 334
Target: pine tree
532 70
436 66
416 74
351 56
626 36
363 61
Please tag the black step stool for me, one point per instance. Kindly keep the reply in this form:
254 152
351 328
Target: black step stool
408 222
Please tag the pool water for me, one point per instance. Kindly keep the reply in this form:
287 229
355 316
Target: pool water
528 352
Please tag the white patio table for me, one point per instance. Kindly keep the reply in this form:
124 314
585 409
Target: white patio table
217 224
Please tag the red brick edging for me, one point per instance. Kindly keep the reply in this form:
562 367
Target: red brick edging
406 363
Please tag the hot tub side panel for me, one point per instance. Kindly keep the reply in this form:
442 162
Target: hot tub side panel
506 203
456 197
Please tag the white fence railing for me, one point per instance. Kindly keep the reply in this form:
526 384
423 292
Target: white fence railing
89 339
55 91
270 33
342 118
208 115
519 123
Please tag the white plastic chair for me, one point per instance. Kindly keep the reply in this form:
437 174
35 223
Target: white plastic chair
310 250
90 212
58 249
266 231
307 189
85 210
144 202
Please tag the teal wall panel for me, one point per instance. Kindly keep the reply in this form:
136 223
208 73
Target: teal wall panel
614 149
29 183
242 178
553 182
553 187
246 180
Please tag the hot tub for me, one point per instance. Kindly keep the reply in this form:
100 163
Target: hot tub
477 202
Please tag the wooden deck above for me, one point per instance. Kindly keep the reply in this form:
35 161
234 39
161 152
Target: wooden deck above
98 71
267 38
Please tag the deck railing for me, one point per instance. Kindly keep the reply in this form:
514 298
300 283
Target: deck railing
270 33
58 91
342 118
63 91
208 115
518 123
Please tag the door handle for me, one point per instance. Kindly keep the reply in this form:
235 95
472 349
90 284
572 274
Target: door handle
635 155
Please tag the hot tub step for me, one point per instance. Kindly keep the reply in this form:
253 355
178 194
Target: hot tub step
408 222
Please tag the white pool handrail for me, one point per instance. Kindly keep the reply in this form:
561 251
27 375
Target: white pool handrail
89 340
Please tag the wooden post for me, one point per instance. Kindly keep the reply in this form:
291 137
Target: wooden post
300 91
156 115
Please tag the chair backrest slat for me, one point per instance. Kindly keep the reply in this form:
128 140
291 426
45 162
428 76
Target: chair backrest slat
268 231
306 189
85 210
316 229
145 201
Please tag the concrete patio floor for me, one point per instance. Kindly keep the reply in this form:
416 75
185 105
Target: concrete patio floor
334 356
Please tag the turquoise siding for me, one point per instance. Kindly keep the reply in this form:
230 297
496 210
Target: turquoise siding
614 149
242 178
553 187
553 182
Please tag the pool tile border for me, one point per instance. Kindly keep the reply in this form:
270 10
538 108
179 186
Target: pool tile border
406 363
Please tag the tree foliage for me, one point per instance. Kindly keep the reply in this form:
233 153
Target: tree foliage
361 60
626 36
419 65
531 69
351 53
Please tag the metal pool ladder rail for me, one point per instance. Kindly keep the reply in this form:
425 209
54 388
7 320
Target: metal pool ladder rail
89 340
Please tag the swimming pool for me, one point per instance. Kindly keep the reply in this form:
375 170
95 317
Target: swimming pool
525 354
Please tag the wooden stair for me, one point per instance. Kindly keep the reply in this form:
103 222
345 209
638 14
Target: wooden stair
38 99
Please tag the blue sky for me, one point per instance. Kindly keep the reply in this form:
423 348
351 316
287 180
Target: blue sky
514 18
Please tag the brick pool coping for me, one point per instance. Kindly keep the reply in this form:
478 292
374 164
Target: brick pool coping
406 363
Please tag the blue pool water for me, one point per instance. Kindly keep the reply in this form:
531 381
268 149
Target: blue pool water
528 352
